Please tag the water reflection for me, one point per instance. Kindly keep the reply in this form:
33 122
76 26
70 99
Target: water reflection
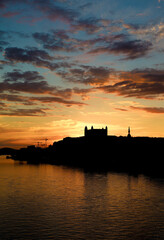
53 202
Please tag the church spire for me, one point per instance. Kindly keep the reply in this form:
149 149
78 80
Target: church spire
129 135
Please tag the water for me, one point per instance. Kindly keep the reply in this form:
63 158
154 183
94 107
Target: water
54 202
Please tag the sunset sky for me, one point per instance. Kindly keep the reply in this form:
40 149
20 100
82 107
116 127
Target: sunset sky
67 64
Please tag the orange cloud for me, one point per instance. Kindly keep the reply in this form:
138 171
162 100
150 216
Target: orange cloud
139 83
150 109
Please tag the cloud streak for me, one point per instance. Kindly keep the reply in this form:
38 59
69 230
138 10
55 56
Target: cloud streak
24 112
144 83
131 49
159 110
38 58
89 75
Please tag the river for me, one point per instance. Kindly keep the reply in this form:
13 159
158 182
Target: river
55 202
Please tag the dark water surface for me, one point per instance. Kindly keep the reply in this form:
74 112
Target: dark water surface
53 202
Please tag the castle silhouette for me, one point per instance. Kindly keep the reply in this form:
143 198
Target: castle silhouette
95 132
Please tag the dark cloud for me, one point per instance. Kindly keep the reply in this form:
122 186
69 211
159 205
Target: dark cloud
18 75
44 38
145 83
121 109
28 54
56 41
54 11
13 98
150 109
152 75
39 58
132 89
3 43
10 14
82 91
24 112
31 82
24 100
87 75
41 87
68 103
62 41
132 49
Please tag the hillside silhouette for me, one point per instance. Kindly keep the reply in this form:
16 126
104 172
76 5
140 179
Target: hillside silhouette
96 151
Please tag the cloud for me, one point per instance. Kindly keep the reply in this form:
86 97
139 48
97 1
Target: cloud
90 75
36 57
10 14
90 25
132 49
155 32
150 109
121 109
68 103
18 75
15 98
32 82
51 9
24 112
139 83
18 83
61 40
24 100
41 87
39 58
14 101
54 11
57 41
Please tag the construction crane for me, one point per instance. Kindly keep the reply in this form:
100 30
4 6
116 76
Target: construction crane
38 144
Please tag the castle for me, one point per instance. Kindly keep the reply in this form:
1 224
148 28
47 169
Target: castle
95 132
99 132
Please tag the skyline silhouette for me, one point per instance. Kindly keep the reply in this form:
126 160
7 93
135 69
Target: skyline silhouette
98 151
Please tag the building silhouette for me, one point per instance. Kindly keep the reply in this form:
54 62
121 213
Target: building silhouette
95 132
129 135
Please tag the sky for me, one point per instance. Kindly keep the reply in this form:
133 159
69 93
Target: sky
67 64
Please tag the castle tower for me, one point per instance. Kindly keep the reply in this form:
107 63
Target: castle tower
85 131
106 130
